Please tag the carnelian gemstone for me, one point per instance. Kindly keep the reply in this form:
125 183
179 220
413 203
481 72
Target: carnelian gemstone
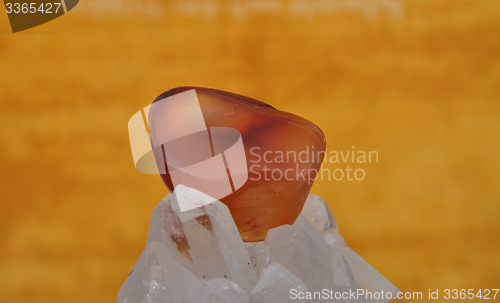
283 154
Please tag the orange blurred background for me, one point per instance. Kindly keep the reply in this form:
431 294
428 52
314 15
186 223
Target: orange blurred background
418 81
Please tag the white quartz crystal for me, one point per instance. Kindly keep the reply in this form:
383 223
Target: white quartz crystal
198 256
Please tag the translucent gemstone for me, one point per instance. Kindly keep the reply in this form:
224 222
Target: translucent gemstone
294 246
366 276
282 154
205 240
317 213
198 256
276 284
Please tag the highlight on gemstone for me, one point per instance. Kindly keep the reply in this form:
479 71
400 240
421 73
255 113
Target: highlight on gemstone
210 160
259 161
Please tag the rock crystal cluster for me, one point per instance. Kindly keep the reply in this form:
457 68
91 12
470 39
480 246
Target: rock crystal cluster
199 256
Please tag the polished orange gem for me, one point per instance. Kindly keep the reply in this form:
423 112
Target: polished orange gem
283 153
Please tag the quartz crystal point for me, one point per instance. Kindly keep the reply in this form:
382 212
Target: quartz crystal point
281 154
199 256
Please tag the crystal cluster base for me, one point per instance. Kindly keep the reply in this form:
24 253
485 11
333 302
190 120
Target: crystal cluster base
199 256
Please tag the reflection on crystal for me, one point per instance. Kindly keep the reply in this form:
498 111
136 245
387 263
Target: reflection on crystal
276 284
199 256
317 213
